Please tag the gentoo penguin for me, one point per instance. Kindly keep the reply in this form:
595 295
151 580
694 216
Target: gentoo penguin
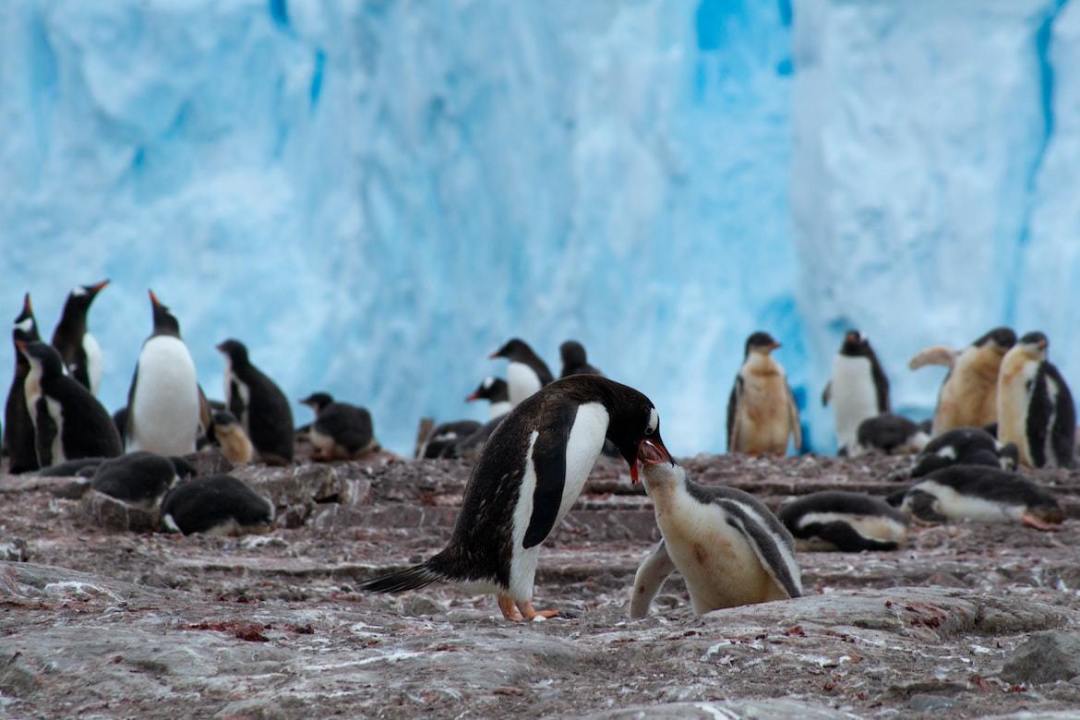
138 478
968 396
163 402
496 392
218 504
727 545
981 494
231 438
965 446
761 411
858 388
1035 407
259 405
526 374
69 423
119 419
340 431
83 467
18 426
443 439
890 434
844 521
77 347
574 361
529 474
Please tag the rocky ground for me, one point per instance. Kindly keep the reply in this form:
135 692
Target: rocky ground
100 617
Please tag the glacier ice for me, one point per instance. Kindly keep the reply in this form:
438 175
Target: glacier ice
374 195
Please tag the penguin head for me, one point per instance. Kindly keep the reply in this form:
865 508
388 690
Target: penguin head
317 401
42 357
633 421
25 326
1000 339
515 349
224 419
81 296
761 343
491 389
855 344
573 354
235 351
165 323
1034 345
1009 456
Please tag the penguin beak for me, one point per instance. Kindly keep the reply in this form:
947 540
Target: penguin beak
95 289
649 452
153 299
494 356
775 345
471 397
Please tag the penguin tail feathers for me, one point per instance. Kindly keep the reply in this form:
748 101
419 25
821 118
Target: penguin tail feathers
411 578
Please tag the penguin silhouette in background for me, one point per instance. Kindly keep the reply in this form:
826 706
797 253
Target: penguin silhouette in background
858 389
78 348
259 405
526 373
18 426
761 409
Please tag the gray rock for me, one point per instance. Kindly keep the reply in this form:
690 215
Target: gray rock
922 702
780 709
115 515
1044 657
14 550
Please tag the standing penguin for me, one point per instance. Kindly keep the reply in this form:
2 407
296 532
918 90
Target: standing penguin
163 401
259 405
78 348
761 410
1034 406
858 389
231 438
968 395
730 549
69 422
530 473
574 361
18 425
526 374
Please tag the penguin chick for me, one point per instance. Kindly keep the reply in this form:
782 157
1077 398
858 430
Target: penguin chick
890 434
230 436
858 389
964 446
1035 407
138 478
163 401
526 373
528 476
18 426
844 521
78 348
442 440
259 405
982 494
727 545
761 412
218 505
968 395
69 423
340 431
574 361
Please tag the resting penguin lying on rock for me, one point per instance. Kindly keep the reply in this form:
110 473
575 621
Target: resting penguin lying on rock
980 494
218 504
139 478
730 549
844 521
965 446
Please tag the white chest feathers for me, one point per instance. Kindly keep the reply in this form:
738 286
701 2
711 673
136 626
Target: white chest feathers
853 396
522 381
231 382
93 361
165 407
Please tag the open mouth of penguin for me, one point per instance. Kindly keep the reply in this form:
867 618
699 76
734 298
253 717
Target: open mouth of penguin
650 452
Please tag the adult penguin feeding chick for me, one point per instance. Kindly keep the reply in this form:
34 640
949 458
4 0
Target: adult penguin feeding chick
78 348
761 412
526 373
69 422
259 405
1035 407
163 402
530 473
727 545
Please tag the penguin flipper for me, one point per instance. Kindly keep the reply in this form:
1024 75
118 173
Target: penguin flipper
793 418
650 577
732 409
847 538
1063 433
236 402
773 550
45 434
549 463
826 394
922 505
935 355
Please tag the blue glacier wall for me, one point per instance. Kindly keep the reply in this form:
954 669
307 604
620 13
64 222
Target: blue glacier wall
373 195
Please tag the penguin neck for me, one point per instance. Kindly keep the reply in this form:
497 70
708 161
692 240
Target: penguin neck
498 408
761 364
664 485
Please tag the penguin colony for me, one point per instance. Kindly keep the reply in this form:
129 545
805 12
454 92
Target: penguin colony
1003 407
